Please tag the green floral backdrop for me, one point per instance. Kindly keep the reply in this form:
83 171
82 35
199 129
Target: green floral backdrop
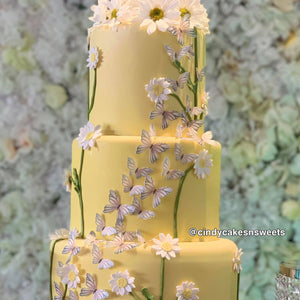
253 76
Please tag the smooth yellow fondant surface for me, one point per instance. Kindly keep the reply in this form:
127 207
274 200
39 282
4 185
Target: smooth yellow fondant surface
131 58
207 264
102 171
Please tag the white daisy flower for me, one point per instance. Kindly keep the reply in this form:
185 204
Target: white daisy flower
100 13
237 267
197 13
158 14
203 164
119 12
187 291
158 90
59 234
69 275
93 58
68 181
88 136
112 13
166 246
121 283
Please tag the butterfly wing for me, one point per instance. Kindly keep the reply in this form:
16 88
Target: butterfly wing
105 264
143 172
183 52
150 187
126 247
146 215
127 183
124 210
137 190
200 74
99 222
187 158
58 292
90 286
114 202
146 141
171 53
97 255
178 152
183 79
156 149
131 165
72 295
108 231
166 167
160 193
175 174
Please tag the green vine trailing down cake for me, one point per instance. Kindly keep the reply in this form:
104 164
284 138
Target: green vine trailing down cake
145 175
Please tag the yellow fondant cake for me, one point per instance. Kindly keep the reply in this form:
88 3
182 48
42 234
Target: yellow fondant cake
144 172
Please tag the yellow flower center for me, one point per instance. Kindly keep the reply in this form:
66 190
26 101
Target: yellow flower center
114 14
158 89
93 57
166 246
202 163
187 294
122 282
184 11
89 136
156 14
72 276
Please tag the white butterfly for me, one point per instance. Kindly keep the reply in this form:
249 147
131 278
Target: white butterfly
184 51
128 235
142 214
59 292
99 260
181 82
152 131
192 126
122 209
91 288
72 295
206 138
133 190
106 230
119 243
157 193
171 174
154 149
185 158
184 27
166 115
71 247
139 172
200 74
91 239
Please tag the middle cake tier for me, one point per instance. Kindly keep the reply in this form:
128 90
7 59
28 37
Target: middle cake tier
195 200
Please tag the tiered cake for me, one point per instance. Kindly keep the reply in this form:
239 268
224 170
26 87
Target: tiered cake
147 177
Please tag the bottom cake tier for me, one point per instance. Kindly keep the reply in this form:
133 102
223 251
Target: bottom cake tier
209 265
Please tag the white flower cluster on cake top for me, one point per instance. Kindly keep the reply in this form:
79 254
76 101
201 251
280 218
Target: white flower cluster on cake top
151 14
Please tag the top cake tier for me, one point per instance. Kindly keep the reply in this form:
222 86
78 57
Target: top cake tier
130 58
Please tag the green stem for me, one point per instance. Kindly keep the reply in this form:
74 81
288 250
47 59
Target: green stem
162 278
135 296
182 180
196 68
93 94
51 265
181 104
80 193
65 292
182 70
238 286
